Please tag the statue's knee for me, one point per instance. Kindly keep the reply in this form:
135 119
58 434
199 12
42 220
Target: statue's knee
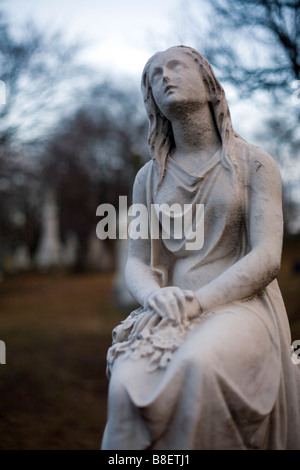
117 387
201 368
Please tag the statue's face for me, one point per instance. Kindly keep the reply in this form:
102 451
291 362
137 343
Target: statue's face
175 80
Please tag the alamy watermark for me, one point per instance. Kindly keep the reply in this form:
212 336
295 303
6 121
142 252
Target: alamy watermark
174 222
2 352
296 352
296 93
2 92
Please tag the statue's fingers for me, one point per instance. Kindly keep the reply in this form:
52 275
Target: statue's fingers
162 306
174 310
166 304
189 294
181 302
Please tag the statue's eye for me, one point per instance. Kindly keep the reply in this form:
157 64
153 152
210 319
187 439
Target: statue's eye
156 74
175 65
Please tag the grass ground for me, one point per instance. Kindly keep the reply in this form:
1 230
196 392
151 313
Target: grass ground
57 329
53 387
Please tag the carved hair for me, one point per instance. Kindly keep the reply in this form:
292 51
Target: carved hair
160 136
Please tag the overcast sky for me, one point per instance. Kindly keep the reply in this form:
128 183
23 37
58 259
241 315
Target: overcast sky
117 30
122 35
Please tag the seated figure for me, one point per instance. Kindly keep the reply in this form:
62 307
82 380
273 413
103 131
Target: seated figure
205 362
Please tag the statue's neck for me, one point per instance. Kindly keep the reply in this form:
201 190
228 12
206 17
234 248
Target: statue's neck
196 138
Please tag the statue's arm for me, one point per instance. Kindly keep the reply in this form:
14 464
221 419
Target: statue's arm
261 265
141 279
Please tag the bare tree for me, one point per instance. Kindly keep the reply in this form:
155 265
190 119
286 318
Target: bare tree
252 43
93 158
39 70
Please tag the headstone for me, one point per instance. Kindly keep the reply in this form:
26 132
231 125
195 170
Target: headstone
98 256
69 251
22 259
49 251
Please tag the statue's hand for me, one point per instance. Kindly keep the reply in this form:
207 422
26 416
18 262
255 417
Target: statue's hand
174 303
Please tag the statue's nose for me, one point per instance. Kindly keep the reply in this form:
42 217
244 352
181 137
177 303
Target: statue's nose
166 77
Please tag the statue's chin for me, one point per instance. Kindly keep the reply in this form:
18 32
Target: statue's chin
178 108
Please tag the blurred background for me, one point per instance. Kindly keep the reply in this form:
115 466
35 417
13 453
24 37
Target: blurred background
73 134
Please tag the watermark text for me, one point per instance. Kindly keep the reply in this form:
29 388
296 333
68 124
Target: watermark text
296 351
2 352
168 222
2 92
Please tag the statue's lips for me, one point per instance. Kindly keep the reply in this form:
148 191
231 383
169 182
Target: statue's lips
170 88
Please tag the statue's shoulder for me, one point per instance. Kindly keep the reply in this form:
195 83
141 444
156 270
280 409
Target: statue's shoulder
143 172
255 158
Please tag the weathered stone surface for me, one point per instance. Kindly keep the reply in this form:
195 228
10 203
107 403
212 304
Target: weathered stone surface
205 362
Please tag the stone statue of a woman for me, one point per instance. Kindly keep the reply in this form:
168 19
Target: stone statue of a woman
205 362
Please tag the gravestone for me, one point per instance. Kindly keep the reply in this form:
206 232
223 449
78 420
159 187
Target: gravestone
49 250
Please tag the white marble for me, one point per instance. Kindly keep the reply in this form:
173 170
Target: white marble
205 362
49 250
123 299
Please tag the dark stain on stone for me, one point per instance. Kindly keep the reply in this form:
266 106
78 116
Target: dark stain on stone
258 165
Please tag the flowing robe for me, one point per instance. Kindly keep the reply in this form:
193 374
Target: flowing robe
225 379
